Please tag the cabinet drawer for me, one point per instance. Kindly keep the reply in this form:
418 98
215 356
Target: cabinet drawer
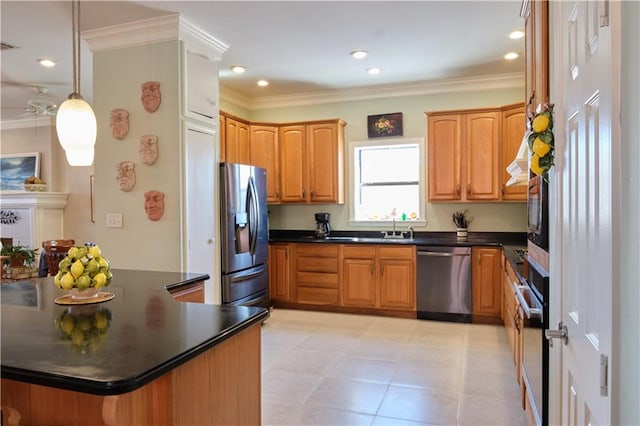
317 250
316 279
317 264
318 296
358 252
396 252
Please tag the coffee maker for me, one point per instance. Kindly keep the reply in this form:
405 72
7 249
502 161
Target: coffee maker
322 225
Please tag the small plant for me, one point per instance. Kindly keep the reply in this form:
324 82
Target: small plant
20 255
462 219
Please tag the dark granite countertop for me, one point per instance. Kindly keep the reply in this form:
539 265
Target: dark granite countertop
128 341
420 238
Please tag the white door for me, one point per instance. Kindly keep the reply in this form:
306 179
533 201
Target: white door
200 187
587 205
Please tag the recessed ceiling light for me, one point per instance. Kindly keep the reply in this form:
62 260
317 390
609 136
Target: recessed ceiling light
238 69
514 35
373 71
45 62
511 56
359 54
263 83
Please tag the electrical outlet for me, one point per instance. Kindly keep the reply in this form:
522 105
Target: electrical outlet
114 220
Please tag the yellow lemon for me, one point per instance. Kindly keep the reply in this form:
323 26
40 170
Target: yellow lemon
83 282
57 280
94 251
72 253
67 281
77 268
93 266
535 165
99 279
540 147
540 123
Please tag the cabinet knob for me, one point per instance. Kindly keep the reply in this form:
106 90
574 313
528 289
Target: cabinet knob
468 188
458 189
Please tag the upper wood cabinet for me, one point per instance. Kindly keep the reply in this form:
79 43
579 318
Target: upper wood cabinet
464 154
237 142
222 139
312 162
513 130
264 153
536 17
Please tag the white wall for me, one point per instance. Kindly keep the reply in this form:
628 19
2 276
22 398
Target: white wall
117 75
489 216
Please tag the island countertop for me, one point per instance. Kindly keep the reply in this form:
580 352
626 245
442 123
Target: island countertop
142 333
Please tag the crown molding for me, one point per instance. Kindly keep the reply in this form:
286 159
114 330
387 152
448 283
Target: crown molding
25 123
155 30
453 85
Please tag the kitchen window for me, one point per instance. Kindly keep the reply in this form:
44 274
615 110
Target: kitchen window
387 181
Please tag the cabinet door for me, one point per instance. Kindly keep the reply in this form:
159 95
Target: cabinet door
222 140
358 283
485 284
397 284
291 144
201 92
237 141
444 157
513 130
482 139
325 163
279 272
264 153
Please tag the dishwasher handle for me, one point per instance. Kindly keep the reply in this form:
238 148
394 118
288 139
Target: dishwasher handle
441 254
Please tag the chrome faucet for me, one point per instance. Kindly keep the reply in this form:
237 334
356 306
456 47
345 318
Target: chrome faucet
411 232
393 234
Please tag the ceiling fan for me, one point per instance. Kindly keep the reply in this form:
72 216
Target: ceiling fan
40 105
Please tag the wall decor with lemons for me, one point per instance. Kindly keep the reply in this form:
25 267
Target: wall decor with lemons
540 140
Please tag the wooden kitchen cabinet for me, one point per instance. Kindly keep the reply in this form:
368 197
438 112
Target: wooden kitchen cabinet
316 273
464 155
513 130
380 277
536 58
222 141
193 292
312 162
486 285
512 316
264 153
279 272
237 141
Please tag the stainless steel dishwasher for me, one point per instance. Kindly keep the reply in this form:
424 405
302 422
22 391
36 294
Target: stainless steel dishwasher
444 283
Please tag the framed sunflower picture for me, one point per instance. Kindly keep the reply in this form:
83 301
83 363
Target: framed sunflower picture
384 125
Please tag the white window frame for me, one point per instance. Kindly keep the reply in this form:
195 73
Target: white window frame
353 145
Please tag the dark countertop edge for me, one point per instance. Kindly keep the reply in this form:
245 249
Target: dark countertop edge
176 286
125 386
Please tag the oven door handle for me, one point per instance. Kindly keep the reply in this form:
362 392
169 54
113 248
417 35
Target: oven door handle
528 311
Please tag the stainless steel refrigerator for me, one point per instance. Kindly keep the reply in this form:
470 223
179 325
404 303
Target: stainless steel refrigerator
245 235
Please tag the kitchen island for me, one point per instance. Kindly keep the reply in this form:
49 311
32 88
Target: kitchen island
142 357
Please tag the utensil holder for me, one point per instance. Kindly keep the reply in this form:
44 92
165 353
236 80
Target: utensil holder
461 233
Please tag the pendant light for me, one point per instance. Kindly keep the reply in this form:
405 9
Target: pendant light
75 120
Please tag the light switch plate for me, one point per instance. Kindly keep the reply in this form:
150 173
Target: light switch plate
114 220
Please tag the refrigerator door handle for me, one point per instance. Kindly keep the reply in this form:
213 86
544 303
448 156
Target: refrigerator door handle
252 201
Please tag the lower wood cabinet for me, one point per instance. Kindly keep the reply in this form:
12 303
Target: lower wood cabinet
316 277
381 277
512 316
279 272
193 292
486 284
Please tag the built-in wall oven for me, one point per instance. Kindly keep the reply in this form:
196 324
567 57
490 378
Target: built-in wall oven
533 296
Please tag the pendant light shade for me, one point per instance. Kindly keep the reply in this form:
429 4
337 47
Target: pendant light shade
75 120
76 127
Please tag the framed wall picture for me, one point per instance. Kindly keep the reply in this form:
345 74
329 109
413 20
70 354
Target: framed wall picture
15 168
384 125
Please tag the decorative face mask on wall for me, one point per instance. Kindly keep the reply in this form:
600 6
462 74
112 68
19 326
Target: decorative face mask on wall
154 205
150 95
148 149
126 175
119 123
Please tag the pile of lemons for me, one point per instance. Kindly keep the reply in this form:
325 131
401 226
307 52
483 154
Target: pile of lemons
83 267
86 330
541 141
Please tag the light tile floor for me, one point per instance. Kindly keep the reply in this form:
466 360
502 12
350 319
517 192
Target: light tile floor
340 369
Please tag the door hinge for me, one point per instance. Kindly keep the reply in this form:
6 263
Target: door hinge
604 373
